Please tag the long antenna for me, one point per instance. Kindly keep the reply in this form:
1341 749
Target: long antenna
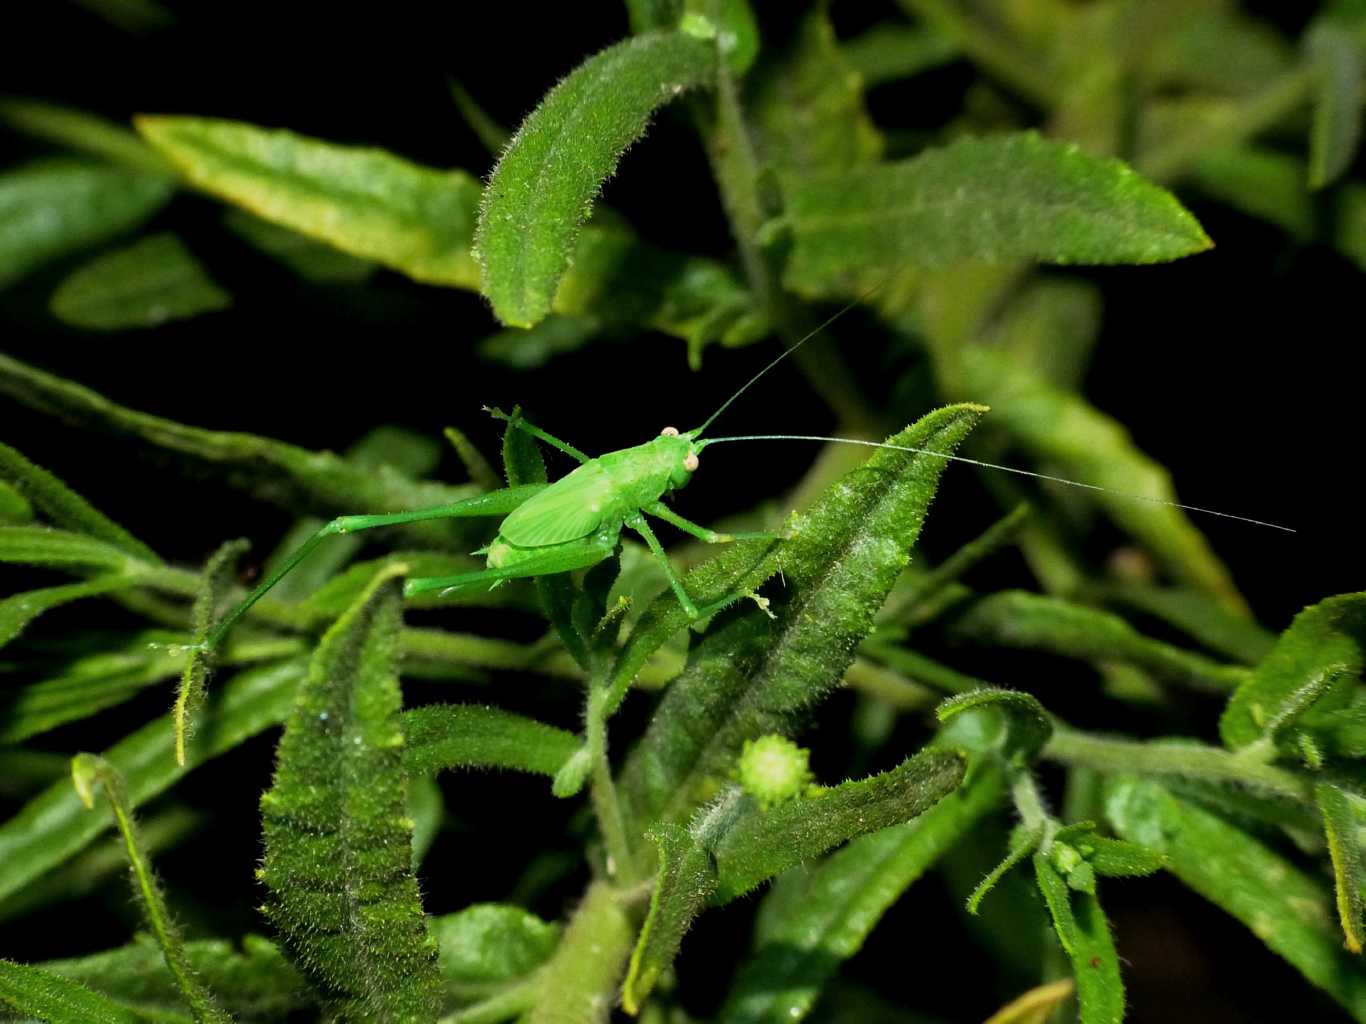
787 352
1008 469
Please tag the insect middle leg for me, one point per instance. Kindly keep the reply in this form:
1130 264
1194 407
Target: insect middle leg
662 511
637 522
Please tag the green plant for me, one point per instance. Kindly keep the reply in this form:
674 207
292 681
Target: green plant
939 241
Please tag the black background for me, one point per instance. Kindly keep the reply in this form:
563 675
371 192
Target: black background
1233 368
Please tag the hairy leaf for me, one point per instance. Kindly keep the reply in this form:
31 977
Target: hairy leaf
487 945
61 549
1017 618
366 202
337 837
18 611
1312 669
89 771
997 200
1335 53
1085 937
445 736
56 207
813 921
54 825
256 982
840 562
64 507
56 1000
1023 842
685 881
319 481
1341 830
146 284
15 509
1285 907
1028 725
758 844
545 183
578 984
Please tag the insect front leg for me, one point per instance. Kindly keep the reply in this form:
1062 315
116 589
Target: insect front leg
495 503
637 522
662 511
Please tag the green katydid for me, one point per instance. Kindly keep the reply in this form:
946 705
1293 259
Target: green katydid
576 522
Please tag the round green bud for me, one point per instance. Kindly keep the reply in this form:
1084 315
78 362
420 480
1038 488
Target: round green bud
773 770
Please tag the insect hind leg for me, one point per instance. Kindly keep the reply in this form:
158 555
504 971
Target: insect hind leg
555 559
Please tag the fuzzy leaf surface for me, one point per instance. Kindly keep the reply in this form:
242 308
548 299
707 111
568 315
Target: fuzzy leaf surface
1288 909
1085 936
440 737
1312 669
56 1000
997 199
336 833
56 207
550 173
151 282
366 202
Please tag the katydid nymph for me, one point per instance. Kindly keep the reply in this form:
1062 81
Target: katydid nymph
576 522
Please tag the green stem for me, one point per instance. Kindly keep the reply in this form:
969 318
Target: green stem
603 789
503 1006
1186 760
919 668
579 984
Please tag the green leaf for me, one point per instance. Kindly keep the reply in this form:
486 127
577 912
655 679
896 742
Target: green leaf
215 587
1341 829
445 736
146 284
82 131
1115 858
887 53
1019 619
813 921
366 202
1085 937
1282 905
54 825
337 837
15 509
1261 183
488 945
749 678
61 549
256 981
756 844
1029 726
89 771
50 998
1334 50
18 611
1195 614
532 347
685 881
806 107
996 200
1023 842
312 260
1314 662
545 183
55 207
319 481
63 506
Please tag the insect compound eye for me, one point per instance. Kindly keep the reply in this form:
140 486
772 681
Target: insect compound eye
669 432
690 463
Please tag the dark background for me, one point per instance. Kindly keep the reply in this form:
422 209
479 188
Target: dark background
1233 368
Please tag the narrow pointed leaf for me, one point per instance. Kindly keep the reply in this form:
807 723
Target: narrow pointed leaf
15 509
56 1000
1016 618
89 771
887 53
1036 1006
146 284
685 881
1339 66
1023 843
1315 662
1286 908
311 259
366 202
61 549
82 131
1196 615
64 507
548 177
337 837
1085 937
759 844
997 199
1341 830
54 825
18 611
56 207
1261 183
838 566
445 736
